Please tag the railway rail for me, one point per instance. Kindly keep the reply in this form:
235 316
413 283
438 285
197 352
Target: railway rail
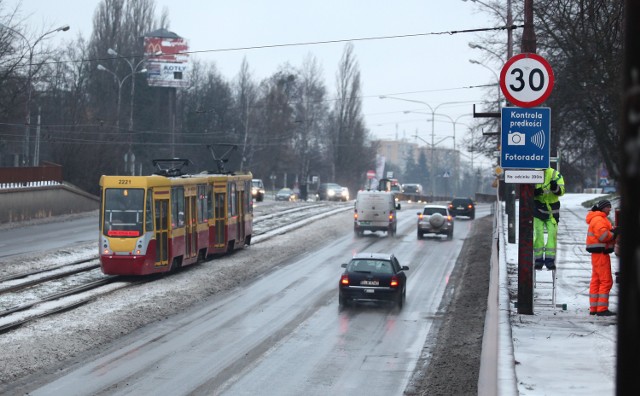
64 287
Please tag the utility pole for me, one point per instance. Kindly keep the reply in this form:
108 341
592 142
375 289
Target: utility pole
525 245
628 349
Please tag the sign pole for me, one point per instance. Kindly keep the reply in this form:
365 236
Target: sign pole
525 247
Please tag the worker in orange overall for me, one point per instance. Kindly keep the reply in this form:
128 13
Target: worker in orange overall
601 238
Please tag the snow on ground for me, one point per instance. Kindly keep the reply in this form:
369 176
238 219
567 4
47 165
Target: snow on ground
563 351
45 345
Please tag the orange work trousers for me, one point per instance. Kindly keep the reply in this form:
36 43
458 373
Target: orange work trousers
601 282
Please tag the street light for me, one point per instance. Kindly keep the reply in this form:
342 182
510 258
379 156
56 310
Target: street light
433 112
134 70
508 20
453 122
120 82
27 120
475 62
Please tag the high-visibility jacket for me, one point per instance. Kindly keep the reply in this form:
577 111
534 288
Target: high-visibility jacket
600 239
548 203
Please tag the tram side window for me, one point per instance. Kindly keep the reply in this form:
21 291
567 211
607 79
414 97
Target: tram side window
247 199
123 212
209 202
233 211
202 204
177 215
148 211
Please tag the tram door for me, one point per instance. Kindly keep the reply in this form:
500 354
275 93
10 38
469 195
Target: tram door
242 212
161 207
219 200
191 232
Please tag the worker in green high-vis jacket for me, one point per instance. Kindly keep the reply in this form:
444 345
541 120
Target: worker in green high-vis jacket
546 214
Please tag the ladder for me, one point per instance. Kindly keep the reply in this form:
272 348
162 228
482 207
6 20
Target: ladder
545 288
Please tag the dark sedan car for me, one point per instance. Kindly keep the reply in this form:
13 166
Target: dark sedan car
462 207
286 194
373 277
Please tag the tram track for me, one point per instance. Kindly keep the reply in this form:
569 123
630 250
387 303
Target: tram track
64 298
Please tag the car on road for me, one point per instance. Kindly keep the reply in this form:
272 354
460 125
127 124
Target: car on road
435 219
331 192
257 189
373 277
286 194
462 207
375 211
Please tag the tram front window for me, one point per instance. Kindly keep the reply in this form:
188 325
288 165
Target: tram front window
123 212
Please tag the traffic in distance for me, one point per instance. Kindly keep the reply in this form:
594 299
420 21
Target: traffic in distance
172 219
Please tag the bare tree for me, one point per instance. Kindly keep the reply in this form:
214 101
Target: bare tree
583 42
350 150
311 113
246 96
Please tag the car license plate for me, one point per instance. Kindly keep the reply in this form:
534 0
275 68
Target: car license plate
369 291
460 207
365 222
369 283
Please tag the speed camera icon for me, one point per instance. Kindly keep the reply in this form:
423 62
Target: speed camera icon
516 139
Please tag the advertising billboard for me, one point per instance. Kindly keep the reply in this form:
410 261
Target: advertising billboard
168 62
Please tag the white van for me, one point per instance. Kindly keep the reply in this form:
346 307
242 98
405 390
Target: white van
375 211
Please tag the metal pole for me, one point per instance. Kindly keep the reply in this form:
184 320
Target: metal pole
525 247
628 347
36 150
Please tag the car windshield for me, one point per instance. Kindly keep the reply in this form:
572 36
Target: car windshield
430 211
370 266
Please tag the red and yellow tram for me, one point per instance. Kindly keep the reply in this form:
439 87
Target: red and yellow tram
152 224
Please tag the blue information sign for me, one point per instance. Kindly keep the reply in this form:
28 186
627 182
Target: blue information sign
526 138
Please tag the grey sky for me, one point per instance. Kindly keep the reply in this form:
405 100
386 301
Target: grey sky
432 68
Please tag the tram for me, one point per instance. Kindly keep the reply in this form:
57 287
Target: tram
168 220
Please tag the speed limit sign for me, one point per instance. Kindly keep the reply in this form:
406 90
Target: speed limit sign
526 80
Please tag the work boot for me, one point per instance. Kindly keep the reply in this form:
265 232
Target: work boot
592 312
606 313
550 263
539 264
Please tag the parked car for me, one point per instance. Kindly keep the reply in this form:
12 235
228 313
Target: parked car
331 192
376 277
286 194
463 207
257 189
435 219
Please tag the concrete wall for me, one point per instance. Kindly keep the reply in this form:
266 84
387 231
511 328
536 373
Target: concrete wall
33 202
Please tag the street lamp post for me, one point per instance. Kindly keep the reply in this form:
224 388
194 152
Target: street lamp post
433 112
475 62
129 157
508 21
134 70
27 117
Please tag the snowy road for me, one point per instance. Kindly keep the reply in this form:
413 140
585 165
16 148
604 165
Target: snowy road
280 329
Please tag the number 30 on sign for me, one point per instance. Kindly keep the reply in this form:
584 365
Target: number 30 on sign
526 80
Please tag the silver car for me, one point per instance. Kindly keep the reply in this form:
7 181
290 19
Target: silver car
435 219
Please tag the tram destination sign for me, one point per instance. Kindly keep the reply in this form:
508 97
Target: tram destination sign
526 138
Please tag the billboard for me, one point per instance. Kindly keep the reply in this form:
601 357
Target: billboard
168 62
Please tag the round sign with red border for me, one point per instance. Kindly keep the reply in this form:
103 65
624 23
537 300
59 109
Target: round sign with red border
526 80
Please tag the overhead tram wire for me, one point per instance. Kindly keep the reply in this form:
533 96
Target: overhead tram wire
307 43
